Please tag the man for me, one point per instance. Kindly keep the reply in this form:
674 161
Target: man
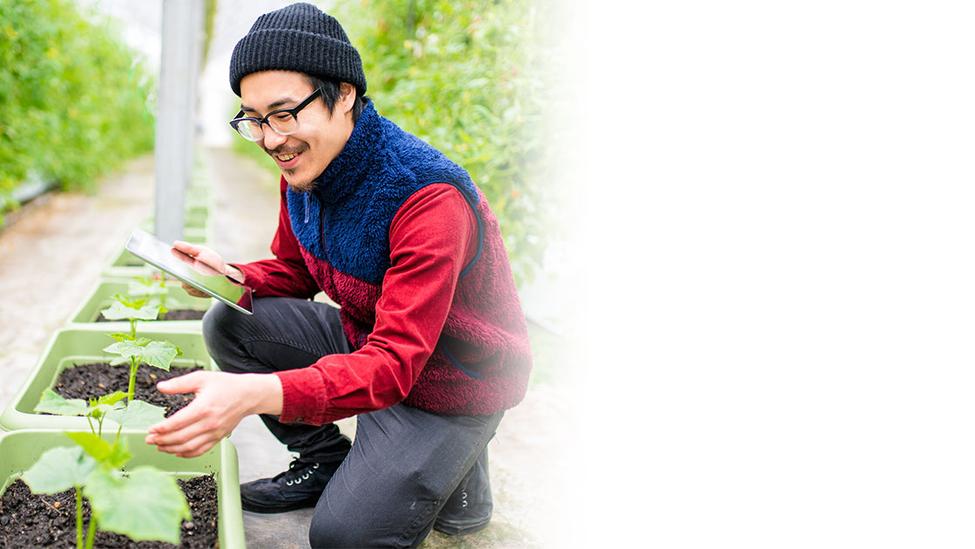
429 345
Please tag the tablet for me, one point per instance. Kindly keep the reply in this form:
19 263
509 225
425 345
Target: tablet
160 255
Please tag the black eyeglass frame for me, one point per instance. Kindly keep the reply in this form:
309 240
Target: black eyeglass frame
293 111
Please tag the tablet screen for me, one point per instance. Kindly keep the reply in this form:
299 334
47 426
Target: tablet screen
160 255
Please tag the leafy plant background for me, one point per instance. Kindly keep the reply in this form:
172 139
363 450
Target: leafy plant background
75 101
478 80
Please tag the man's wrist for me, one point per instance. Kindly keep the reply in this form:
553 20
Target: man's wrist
233 273
269 397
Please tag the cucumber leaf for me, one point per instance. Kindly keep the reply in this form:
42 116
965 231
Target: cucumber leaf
60 469
109 455
120 311
53 403
146 504
138 415
155 353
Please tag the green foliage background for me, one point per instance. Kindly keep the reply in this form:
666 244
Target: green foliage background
476 79
74 100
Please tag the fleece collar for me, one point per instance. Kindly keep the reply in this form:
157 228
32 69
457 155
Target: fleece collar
349 168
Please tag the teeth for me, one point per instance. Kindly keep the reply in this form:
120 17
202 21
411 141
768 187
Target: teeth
286 157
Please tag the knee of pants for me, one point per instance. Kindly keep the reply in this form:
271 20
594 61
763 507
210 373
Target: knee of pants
356 526
222 336
332 532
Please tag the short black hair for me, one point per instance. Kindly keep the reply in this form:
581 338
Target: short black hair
332 90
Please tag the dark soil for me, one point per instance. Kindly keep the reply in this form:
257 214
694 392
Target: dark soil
96 380
28 521
177 314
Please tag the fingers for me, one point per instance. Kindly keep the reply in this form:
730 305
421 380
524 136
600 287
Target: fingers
197 427
187 433
190 290
187 248
194 448
188 383
189 442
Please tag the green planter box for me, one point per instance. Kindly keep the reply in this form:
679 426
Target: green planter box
19 450
79 344
100 298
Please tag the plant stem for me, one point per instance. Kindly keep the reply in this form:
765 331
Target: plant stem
79 523
132 322
92 526
132 369
90 425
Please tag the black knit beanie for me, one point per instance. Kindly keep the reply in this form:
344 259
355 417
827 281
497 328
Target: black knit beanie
300 38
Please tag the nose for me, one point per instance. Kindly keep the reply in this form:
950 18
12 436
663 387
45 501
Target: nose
272 140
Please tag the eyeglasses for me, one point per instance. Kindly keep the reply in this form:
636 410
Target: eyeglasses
282 121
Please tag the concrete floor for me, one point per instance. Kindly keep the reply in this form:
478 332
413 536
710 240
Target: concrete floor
53 252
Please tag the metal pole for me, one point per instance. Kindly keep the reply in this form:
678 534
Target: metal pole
174 125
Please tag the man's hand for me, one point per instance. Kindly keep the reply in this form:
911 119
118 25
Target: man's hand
222 400
206 261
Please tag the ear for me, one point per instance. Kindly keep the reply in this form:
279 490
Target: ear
347 94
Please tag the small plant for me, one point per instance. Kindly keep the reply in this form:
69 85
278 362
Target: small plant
152 290
136 350
143 504
133 310
136 414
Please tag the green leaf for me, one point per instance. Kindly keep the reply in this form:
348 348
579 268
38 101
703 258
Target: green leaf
138 415
92 444
120 336
100 410
117 396
53 403
147 504
128 348
160 354
109 455
120 311
60 469
133 303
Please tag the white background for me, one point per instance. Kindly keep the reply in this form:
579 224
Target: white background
781 274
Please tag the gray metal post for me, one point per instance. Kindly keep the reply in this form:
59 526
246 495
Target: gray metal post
195 23
174 125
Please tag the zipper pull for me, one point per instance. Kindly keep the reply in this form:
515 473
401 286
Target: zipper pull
306 209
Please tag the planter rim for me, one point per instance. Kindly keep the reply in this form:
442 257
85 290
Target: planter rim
99 287
15 415
221 461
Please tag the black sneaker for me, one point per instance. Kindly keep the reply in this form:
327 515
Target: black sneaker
461 516
298 487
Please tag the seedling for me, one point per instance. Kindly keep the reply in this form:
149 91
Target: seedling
144 504
133 310
135 415
136 350
152 289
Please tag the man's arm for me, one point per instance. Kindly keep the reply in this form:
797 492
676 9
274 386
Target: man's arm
432 238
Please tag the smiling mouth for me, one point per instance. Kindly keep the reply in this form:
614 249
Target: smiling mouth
286 157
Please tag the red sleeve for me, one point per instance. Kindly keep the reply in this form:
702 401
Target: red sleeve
432 238
286 275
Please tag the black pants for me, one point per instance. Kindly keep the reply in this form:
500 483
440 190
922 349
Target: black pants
404 463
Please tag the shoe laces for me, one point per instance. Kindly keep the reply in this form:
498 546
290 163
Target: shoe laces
298 471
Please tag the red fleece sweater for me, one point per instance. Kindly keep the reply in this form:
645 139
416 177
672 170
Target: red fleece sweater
433 236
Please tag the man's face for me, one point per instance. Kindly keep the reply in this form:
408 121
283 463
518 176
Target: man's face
303 155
